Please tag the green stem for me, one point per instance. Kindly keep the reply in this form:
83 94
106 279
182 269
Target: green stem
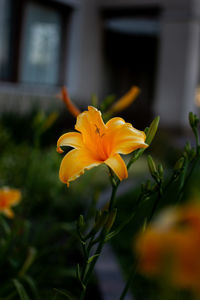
112 199
128 283
135 157
196 136
86 257
86 275
85 253
185 179
92 264
155 206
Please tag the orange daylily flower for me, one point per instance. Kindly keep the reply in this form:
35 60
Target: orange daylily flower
8 198
97 143
170 247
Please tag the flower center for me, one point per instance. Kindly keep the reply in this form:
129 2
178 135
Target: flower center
100 145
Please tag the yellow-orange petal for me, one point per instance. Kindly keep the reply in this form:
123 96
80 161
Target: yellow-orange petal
14 197
127 139
8 212
72 139
91 125
117 164
9 197
75 163
114 124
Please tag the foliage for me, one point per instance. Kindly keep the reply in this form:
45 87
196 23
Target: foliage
41 245
38 247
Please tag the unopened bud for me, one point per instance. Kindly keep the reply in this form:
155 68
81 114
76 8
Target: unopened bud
152 130
179 164
80 223
126 100
191 118
160 170
151 165
196 120
188 147
148 185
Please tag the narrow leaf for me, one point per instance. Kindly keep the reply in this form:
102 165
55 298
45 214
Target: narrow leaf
92 258
20 289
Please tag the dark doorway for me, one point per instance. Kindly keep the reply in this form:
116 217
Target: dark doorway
131 41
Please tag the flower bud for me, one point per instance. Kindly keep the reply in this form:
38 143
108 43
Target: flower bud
80 222
191 118
151 165
126 100
179 164
188 147
160 170
152 130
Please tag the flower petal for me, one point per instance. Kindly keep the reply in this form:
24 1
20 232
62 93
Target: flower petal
126 138
91 125
8 212
9 197
72 139
75 163
14 197
117 164
114 123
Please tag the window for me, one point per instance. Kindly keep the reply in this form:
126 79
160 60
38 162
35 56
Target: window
41 45
33 41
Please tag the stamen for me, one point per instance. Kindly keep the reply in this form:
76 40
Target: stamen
97 130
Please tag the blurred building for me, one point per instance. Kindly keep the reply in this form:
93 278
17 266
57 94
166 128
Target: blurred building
102 47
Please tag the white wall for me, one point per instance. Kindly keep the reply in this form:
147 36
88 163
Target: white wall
178 68
85 55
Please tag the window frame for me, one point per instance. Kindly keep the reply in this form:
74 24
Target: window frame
18 13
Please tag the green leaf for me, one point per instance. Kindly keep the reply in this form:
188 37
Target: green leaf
92 258
20 289
78 274
32 286
5 225
110 236
64 293
28 261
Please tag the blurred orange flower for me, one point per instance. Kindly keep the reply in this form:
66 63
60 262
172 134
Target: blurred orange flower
8 198
125 100
97 143
74 111
170 247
